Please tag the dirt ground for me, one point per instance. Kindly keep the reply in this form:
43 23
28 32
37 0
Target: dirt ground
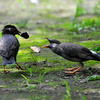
13 86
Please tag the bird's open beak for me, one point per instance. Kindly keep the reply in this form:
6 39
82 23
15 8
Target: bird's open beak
46 45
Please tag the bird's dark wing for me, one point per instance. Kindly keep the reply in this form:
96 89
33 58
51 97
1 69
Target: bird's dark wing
75 50
8 46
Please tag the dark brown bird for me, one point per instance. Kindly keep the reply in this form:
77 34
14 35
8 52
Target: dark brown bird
72 52
9 45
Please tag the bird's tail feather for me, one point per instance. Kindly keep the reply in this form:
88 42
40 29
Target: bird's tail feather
97 57
8 61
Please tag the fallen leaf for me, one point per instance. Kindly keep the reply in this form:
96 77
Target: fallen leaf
36 49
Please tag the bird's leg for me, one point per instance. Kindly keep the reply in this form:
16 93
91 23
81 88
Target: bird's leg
19 67
4 70
70 69
73 71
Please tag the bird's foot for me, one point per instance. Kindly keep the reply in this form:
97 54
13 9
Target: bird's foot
20 68
66 72
72 70
5 72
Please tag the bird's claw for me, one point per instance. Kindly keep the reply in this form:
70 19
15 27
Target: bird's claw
20 68
5 72
69 72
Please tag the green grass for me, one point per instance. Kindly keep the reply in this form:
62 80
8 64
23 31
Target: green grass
93 78
82 97
79 10
67 97
22 3
27 82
